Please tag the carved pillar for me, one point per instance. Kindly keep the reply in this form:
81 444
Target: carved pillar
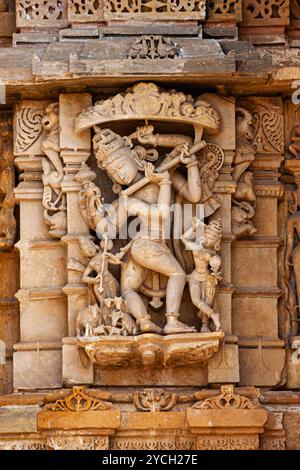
224 366
255 304
75 149
263 23
9 259
43 313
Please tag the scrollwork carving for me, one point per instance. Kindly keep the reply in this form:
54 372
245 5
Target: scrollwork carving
227 399
157 9
77 401
154 400
264 12
46 13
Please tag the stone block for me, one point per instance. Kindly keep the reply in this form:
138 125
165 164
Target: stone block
70 106
262 367
223 367
254 316
74 370
261 272
43 316
37 368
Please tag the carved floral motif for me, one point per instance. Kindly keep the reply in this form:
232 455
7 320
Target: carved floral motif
85 10
154 400
228 443
224 10
36 13
28 128
227 399
77 401
265 12
154 9
154 47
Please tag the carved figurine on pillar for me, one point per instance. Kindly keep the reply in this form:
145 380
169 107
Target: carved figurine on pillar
7 183
204 279
53 198
292 264
243 204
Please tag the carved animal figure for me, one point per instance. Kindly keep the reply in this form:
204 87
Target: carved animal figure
87 321
241 213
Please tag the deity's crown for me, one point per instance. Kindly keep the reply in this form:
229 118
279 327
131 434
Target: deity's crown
106 142
214 227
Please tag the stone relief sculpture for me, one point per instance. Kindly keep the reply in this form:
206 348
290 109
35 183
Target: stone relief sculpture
7 184
53 198
129 275
243 204
292 263
204 279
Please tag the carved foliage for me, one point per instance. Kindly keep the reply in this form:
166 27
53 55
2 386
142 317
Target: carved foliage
226 399
77 401
153 9
154 400
154 443
46 13
228 442
85 10
222 10
265 12
154 47
77 443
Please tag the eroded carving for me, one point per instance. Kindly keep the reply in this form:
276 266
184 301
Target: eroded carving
263 12
46 13
154 47
7 184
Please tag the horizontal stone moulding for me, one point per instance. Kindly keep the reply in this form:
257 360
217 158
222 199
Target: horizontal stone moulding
151 349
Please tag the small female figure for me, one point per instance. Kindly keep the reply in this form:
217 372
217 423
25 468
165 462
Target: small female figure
204 279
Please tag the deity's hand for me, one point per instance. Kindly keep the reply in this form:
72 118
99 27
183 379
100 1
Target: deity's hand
155 177
145 135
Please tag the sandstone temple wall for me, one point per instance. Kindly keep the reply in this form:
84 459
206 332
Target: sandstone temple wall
148 104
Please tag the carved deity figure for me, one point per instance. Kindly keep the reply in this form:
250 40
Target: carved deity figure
243 204
53 198
154 262
292 263
204 279
7 183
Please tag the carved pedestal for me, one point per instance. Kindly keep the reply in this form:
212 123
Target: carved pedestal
234 422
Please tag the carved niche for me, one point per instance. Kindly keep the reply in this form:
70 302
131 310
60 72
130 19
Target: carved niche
133 278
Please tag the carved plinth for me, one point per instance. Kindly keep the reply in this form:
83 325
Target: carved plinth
152 350
235 422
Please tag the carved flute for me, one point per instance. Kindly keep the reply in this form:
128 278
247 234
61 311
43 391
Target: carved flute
164 167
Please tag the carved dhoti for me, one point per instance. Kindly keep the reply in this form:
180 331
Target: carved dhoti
155 255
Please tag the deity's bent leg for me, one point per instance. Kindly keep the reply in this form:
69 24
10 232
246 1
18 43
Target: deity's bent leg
132 277
202 295
155 255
